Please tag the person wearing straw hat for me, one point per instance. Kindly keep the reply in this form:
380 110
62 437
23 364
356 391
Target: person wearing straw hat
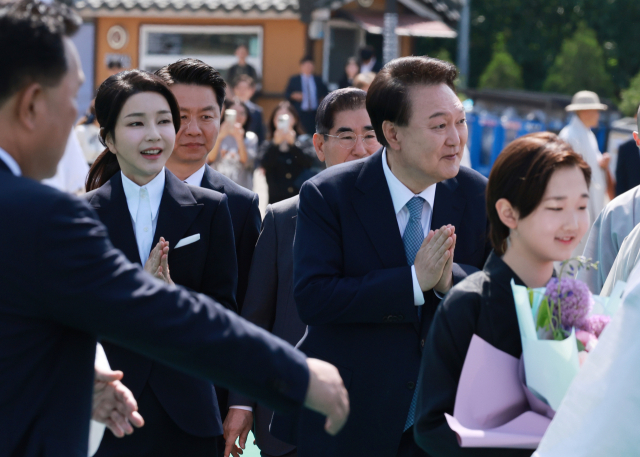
586 106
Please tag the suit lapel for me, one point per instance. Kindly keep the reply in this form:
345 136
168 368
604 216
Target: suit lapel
209 182
110 203
448 205
178 210
374 207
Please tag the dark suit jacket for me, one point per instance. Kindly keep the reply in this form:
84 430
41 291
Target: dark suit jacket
483 305
256 125
295 85
628 167
354 290
269 302
64 284
246 219
207 266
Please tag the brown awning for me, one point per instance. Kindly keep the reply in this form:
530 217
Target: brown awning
408 25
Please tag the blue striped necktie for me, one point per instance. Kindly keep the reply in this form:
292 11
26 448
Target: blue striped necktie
412 239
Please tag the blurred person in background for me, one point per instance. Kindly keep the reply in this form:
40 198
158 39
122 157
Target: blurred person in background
72 169
285 156
363 80
242 67
305 91
628 165
244 87
235 151
343 133
88 132
368 60
586 106
351 69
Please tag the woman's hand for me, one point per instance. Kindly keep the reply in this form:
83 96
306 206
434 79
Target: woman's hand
280 136
158 262
237 132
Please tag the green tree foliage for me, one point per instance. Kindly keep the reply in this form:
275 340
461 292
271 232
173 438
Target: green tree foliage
536 29
630 97
502 72
580 65
443 54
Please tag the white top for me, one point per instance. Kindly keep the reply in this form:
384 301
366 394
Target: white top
367 67
155 188
400 196
72 169
196 178
10 162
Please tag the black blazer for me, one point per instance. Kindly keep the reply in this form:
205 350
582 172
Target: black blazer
295 85
246 219
269 303
354 290
207 266
64 284
256 123
483 305
628 167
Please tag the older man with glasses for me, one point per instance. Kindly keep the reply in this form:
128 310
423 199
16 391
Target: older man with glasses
343 133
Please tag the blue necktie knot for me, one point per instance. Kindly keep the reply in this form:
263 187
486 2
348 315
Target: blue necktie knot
415 207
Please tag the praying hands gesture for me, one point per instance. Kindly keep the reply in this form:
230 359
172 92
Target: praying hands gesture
434 260
158 262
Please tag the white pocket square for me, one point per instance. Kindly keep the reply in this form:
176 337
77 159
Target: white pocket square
187 240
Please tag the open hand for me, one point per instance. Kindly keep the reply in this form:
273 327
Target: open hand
114 404
433 256
236 426
327 395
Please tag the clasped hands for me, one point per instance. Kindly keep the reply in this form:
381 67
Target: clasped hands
434 260
158 262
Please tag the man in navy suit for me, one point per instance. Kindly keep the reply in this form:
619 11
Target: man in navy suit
305 92
343 133
244 87
378 242
64 285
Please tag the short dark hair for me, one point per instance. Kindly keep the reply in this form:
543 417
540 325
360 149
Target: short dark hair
388 97
194 72
111 97
306 59
31 33
366 53
521 174
243 78
336 102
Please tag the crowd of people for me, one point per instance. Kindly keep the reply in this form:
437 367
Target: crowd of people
160 304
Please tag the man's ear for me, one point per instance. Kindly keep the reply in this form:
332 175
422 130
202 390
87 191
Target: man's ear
30 103
318 143
508 214
391 134
637 138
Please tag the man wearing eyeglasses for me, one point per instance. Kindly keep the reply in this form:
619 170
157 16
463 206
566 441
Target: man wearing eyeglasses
343 133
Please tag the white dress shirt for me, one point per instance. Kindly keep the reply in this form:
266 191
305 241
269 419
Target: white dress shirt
10 162
400 196
155 188
196 178
367 67
309 93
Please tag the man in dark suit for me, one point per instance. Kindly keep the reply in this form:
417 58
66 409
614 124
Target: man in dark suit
368 271
305 92
343 133
244 86
64 284
369 61
200 91
181 411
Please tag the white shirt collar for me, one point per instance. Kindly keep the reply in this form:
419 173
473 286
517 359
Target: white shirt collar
155 187
10 162
196 178
401 194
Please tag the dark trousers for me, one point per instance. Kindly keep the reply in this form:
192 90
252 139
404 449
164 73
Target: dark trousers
408 446
160 436
308 121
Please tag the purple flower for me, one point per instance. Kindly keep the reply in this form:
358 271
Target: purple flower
575 301
597 323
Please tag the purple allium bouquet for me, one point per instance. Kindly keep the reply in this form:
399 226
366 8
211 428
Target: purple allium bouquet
567 304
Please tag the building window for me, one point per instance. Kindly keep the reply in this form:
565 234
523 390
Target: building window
161 45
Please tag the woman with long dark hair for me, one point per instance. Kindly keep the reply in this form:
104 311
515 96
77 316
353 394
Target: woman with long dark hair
146 209
284 155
